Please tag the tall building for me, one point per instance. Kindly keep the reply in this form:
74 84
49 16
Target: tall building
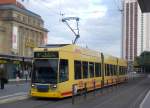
130 26
20 29
136 34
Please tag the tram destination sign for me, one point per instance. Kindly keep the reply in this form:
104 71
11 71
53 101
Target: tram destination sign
46 55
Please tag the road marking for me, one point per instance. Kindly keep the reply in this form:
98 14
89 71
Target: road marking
118 95
13 97
146 97
15 94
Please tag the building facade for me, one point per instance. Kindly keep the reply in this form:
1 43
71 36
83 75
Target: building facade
130 21
136 34
20 29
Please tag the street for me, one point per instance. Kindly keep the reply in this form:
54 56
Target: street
126 95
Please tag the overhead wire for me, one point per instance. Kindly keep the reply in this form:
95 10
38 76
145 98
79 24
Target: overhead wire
117 3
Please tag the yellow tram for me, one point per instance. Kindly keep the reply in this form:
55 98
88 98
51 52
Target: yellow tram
57 67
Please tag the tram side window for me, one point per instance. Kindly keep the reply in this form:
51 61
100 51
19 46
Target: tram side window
126 70
105 69
123 70
77 69
63 70
119 70
108 70
115 70
85 69
91 69
100 70
97 69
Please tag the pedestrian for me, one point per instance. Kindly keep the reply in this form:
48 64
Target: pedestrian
26 74
2 77
17 79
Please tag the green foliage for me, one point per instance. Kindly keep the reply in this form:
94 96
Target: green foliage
145 58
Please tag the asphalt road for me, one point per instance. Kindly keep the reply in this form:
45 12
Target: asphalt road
126 95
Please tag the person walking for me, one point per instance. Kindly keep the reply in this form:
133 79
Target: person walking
2 77
17 79
26 74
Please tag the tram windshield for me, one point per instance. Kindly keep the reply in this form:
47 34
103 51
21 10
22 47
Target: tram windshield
45 71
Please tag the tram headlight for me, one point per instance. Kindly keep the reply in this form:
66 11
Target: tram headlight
54 86
33 85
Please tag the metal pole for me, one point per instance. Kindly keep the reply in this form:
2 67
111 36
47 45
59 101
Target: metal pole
94 87
102 86
85 90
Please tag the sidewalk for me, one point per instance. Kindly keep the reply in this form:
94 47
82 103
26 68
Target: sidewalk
13 81
146 102
13 92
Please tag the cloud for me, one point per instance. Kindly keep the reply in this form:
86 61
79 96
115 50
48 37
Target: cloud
100 22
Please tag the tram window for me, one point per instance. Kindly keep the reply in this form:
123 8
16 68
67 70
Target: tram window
116 70
100 70
91 69
85 69
111 70
63 70
97 69
77 69
105 69
123 70
126 70
119 70
108 70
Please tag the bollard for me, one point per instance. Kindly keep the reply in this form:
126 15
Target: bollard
102 84
85 91
74 92
94 87
112 84
116 83
107 82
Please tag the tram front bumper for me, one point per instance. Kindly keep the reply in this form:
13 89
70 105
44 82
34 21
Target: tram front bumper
46 94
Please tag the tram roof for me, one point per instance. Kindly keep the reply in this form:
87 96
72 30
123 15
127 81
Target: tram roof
53 45
76 50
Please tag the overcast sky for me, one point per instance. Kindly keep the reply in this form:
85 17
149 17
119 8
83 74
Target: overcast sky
100 22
